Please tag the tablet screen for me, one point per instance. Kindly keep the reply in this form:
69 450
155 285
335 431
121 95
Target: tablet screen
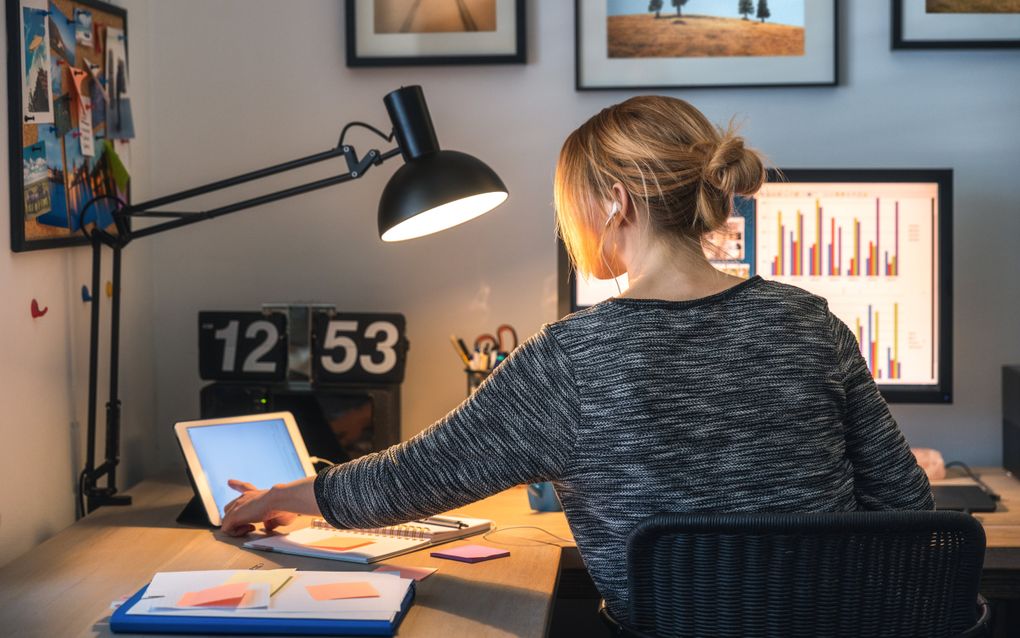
259 452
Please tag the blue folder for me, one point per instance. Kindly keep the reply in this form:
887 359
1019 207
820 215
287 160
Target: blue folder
122 622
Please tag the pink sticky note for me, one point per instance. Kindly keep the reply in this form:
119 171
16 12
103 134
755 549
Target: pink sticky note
224 595
471 553
338 591
341 543
416 573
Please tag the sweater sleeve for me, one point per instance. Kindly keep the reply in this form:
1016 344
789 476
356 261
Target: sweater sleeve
518 427
886 474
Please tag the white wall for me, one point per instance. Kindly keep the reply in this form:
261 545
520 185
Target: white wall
44 361
238 84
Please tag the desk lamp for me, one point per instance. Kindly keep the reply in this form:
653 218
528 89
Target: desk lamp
434 190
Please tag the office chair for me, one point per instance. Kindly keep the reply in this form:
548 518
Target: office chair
788 575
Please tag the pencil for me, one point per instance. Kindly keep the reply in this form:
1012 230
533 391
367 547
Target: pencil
460 352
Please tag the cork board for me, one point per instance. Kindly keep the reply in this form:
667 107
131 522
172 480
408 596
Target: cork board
69 119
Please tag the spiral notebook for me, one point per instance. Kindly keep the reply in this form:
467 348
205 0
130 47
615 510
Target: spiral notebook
321 540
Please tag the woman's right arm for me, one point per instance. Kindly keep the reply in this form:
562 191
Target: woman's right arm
886 473
518 427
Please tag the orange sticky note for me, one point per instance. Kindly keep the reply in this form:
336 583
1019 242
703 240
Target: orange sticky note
340 543
224 595
339 591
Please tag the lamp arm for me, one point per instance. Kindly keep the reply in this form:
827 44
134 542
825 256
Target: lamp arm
90 494
360 167
356 167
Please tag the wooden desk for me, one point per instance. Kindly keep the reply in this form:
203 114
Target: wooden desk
1000 579
65 586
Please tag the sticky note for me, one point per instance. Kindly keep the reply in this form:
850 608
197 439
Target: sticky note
120 172
340 591
223 596
341 543
471 553
275 578
415 573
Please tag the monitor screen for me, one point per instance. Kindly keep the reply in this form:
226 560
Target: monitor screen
875 243
258 452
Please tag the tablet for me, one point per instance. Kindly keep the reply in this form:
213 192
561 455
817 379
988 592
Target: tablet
262 449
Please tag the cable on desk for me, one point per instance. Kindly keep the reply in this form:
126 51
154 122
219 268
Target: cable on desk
537 540
974 477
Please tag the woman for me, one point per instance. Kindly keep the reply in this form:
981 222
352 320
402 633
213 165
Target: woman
691 391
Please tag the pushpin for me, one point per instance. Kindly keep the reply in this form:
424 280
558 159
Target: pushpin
36 312
109 289
85 296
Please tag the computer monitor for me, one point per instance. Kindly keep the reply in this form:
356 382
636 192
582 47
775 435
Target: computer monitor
877 244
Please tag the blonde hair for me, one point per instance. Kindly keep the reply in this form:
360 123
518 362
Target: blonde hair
679 169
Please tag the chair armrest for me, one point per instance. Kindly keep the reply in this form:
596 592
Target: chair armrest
980 628
617 627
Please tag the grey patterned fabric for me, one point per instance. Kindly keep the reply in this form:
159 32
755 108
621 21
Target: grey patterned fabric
753 400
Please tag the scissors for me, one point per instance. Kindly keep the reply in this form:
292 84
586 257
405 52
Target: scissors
486 342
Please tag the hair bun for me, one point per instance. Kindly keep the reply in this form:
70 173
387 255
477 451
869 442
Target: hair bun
734 169
731 169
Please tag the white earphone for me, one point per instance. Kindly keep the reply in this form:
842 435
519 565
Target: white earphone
613 212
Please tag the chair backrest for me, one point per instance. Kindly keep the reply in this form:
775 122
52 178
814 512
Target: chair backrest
840 574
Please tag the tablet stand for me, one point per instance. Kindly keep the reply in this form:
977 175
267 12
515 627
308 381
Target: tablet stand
194 514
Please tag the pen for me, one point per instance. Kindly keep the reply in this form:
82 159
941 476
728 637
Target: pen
463 347
442 521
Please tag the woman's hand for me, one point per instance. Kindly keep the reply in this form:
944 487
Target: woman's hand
253 506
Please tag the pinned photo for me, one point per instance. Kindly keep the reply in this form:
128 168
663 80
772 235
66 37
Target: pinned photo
36 91
120 124
36 176
57 215
83 27
62 38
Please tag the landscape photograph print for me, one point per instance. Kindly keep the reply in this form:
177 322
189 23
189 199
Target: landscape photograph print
704 28
431 32
434 16
955 24
972 6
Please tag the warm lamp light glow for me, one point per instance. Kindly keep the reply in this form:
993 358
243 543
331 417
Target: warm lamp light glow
445 216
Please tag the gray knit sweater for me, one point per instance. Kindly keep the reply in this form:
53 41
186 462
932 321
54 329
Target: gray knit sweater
754 399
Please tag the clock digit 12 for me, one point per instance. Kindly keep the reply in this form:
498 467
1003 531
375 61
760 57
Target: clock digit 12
242 346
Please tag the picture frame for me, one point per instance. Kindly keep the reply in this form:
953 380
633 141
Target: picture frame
916 26
63 144
478 32
619 46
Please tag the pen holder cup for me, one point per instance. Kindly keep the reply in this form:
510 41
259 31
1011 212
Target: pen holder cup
475 378
542 498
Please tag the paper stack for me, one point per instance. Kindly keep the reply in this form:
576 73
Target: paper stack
273 594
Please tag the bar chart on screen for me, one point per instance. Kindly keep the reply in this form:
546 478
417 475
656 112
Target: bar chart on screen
871 250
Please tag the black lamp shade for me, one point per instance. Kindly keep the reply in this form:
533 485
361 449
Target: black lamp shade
436 192
434 189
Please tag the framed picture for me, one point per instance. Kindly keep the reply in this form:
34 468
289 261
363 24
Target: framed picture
655 44
955 24
413 32
69 119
